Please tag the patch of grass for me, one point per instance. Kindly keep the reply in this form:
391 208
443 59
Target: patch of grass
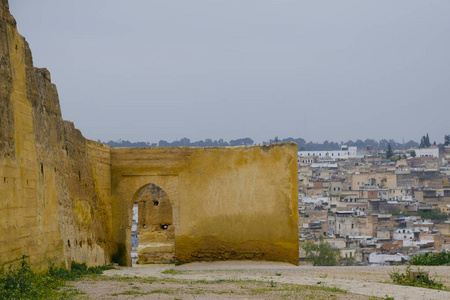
196 291
130 292
172 272
421 280
222 292
71 292
216 281
385 298
296 289
138 292
261 291
118 278
277 274
160 291
24 283
332 289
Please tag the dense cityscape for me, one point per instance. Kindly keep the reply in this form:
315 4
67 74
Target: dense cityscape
378 207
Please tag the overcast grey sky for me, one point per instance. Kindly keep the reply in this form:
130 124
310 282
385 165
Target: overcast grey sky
145 70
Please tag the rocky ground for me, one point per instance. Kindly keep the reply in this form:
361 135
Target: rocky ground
255 280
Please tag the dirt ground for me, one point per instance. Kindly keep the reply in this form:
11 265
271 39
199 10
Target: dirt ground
255 280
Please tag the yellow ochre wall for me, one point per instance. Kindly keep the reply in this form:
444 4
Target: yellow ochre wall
54 197
65 198
229 203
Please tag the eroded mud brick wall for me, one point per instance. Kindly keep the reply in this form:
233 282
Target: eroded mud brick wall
54 185
231 203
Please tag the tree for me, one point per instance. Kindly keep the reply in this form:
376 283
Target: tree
447 140
321 254
434 214
413 153
389 152
242 142
425 141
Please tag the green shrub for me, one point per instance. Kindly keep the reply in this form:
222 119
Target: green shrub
421 280
431 259
321 254
24 283
434 214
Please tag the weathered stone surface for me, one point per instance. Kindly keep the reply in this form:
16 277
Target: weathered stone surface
65 198
51 208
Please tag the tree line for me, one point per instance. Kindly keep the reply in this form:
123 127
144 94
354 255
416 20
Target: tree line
184 142
382 144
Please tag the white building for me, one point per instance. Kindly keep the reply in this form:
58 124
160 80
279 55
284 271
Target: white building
318 201
432 151
324 165
401 234
387 259
345 152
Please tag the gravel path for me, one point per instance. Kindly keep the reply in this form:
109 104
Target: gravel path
370 281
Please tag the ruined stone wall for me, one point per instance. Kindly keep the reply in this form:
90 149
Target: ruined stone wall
228 203
51 208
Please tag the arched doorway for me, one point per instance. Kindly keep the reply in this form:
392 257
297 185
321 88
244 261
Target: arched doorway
154 233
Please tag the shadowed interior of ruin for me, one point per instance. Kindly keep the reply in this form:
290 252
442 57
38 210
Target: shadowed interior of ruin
155 225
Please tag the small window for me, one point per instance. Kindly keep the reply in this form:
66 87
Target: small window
42 168
164 226
155 203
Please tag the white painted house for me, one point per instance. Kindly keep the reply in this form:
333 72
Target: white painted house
345 152
423 152
402 234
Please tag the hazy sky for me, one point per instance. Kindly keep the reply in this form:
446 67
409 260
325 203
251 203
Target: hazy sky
145 70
